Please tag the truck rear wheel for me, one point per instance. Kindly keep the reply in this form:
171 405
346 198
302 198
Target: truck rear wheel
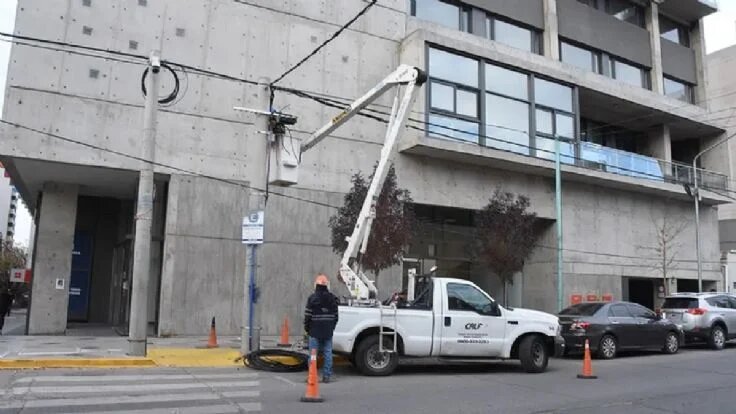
371 362
533 354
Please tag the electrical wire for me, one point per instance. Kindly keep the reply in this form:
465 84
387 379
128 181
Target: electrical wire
264 360
163 165
326 42
175 91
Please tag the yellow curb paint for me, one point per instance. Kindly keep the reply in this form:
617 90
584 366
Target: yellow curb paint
195 357
75 363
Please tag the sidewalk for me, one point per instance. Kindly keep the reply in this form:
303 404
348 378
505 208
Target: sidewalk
98 346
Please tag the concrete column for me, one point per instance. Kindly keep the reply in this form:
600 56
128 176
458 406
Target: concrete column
659 144
53 260
551 35
655 41
697 42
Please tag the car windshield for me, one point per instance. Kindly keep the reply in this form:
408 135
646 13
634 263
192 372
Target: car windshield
680 303
582 309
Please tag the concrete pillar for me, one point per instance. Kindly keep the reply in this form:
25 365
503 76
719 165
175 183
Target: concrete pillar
551 35
53 260
655 41
659 144
697 42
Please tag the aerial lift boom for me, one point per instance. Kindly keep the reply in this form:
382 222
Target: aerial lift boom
362 289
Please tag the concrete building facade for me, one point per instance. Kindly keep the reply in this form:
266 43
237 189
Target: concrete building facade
622 84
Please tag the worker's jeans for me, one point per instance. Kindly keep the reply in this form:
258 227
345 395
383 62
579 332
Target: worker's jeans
324 346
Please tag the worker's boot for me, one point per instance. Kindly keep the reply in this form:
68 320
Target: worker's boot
328 379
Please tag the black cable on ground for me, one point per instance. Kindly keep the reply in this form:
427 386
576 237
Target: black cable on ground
272 360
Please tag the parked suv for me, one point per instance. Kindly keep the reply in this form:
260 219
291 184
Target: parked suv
709 317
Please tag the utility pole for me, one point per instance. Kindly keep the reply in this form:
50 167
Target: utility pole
558 209
251 332
696 196
138 326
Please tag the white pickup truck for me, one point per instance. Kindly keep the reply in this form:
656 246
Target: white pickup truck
451 319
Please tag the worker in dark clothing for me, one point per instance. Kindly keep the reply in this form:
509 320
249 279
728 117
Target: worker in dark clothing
6 299
320 319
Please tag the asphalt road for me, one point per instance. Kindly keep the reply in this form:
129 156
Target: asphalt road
695 381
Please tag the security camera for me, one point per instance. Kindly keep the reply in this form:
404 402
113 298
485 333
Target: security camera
155 63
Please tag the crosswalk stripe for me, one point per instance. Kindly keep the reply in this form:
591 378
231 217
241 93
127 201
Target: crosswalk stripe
212 409
240 394
117 378
63 402
127 387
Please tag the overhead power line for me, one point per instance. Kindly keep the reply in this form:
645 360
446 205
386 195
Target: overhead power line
326 42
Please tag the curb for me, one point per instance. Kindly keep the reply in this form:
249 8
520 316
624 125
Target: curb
76 363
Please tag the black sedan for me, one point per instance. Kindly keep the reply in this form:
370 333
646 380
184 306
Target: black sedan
617 326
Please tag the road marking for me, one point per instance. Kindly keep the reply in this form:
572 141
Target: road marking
286 380
115 378
123 399
129 387
212 409
240 394
48 353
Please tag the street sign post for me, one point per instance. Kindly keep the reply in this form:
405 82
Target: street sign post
252 236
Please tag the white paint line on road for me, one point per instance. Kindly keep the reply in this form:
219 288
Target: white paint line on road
241 394
48 353
142 377
123 399
211 409
286 380
82 389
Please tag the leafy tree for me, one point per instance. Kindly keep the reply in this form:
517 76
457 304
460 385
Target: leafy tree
505 235
391 230
11 257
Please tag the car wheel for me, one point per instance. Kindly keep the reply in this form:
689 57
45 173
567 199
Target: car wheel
671 343
533 354
608 347
717 338
371 361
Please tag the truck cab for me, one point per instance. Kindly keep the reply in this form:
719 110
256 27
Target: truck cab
452 320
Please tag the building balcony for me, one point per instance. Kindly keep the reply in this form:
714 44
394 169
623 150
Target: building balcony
581 161
689 10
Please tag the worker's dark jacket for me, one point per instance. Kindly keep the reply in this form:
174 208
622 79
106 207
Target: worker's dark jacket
320 314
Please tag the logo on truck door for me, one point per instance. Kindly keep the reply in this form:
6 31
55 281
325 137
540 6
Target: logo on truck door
473 326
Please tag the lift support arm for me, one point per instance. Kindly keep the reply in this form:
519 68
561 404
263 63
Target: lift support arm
362 289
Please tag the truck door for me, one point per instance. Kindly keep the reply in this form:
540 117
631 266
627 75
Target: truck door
472 324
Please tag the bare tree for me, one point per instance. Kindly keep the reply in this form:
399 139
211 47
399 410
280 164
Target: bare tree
391 230
667 244
505 235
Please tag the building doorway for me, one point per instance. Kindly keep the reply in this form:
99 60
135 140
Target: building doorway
641 291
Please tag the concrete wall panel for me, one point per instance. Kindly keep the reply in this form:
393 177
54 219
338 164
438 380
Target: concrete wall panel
679 62
530 12
603 32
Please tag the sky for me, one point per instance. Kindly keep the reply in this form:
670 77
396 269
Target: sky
720 32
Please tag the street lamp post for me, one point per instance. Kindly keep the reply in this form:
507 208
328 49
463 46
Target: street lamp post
696 196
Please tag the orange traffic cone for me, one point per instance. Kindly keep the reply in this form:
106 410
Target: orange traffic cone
284 341
312 394
587 364
212 342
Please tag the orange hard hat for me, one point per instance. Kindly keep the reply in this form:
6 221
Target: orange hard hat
321 280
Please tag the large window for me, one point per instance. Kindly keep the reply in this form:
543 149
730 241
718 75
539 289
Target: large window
453 96
580 57
499 107
633 75
512 34
673 31
446 13
678 90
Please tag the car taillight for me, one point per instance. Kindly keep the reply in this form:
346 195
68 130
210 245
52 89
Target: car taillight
580 325
696 311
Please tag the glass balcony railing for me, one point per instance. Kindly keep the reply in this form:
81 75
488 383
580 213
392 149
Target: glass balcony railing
619 162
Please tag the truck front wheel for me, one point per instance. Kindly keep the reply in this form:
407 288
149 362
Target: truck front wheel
370 361
533 354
